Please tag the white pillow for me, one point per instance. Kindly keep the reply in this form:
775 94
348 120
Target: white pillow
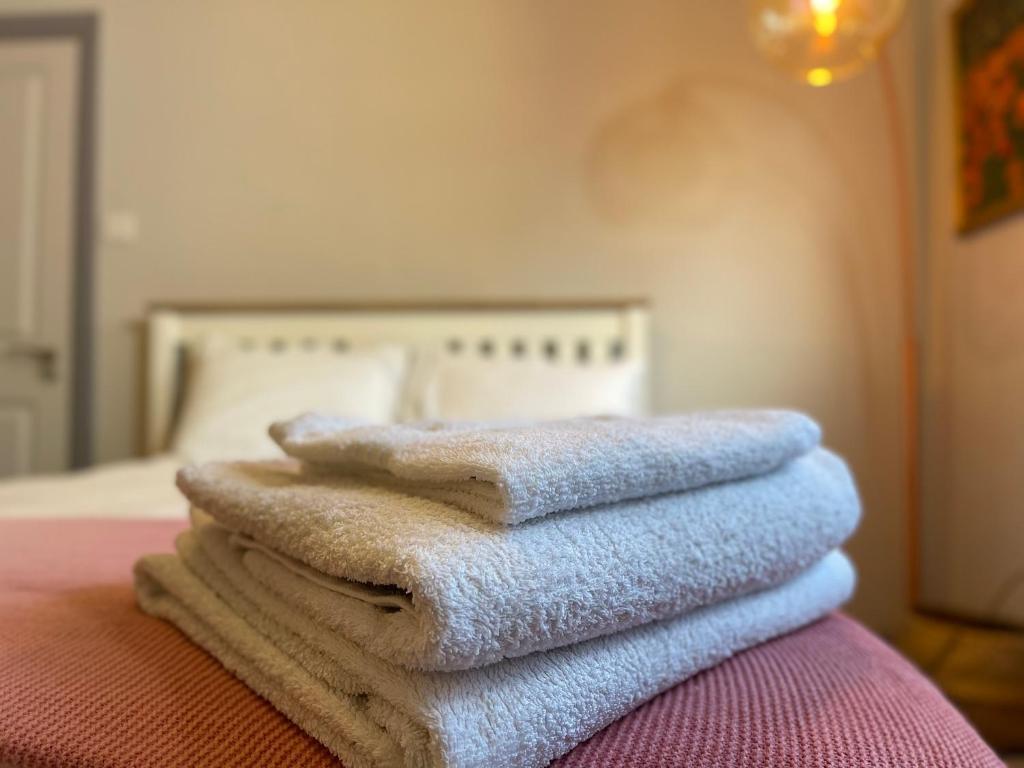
454 388
233 394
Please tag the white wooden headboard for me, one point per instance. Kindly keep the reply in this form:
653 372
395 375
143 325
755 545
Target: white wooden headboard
568 332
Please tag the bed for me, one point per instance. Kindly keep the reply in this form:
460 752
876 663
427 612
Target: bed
87 679
212 374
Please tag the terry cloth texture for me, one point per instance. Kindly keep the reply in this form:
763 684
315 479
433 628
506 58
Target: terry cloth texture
519 713
512 473
429 586
88 680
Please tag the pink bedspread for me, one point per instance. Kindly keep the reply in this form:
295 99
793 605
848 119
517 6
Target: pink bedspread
88 680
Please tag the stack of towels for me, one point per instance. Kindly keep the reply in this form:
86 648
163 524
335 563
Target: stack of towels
481 596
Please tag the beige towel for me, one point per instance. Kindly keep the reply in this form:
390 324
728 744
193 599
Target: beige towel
512 473
432 587
519 713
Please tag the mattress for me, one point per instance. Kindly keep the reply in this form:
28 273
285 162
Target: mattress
87 680
138 488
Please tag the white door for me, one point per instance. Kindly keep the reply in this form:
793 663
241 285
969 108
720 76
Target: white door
38 108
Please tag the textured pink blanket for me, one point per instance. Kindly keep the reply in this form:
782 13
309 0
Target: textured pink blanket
88 680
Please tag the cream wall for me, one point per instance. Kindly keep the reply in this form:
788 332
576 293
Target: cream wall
334 150
974 533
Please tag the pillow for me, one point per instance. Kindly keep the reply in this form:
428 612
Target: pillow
451 388
233 395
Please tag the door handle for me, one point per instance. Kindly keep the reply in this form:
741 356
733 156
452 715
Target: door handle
45 357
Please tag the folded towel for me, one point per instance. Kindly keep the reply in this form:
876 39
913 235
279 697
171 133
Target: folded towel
519 713
509 474
429 586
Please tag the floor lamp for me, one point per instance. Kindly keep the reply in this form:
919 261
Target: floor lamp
821 42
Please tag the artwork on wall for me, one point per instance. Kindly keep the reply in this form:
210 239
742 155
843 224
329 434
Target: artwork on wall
988 41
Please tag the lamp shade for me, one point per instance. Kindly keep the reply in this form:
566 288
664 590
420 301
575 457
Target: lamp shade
822 41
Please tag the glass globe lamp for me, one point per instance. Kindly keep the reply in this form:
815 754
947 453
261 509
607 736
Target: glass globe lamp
822 41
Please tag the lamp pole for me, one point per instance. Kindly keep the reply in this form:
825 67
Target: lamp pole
900 161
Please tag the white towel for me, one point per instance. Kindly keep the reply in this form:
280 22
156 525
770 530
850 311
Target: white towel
429 586
509 474
519 713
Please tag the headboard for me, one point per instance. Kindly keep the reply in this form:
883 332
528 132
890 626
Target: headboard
571 332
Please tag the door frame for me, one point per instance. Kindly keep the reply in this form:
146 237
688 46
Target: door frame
83 28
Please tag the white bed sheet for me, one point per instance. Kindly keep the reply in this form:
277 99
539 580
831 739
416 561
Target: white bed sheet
141 488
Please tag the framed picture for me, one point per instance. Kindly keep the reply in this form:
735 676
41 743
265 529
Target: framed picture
988 43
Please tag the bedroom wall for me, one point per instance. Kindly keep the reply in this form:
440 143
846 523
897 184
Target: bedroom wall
326 151
974 533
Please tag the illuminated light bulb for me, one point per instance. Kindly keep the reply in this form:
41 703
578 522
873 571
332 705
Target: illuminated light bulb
821 42
824 6
819 77
825 23
823 16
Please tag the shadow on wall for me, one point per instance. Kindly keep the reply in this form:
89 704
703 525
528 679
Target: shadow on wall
666 162
773 274
752 201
